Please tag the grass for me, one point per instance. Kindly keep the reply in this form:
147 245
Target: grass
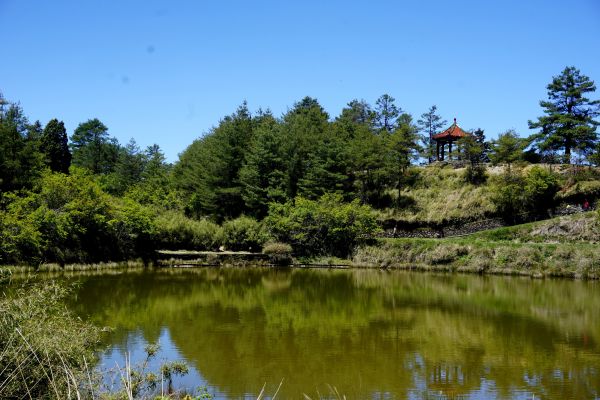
44 349
564 246
440 195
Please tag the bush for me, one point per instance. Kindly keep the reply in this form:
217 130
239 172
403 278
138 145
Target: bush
176 231
475 174
517 195
279 253
541 186
243 233
43 347
20 238
323 227
134 228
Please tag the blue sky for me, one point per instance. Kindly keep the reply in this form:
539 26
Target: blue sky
166 72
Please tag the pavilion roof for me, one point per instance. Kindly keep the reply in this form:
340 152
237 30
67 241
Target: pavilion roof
454 131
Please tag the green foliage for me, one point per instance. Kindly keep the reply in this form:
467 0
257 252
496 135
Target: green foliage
93 149
243 233
475 174
541 186
507 149
518 193
176 231
20 238
44 349
20 159
369 167
209 169
264 171
386 114
128 169
324 226
430 124
569 123
402 149
305 125
68 218
54 146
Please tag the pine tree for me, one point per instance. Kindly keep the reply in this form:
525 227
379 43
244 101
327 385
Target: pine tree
92 148
55 147
569 123
507 149
20 159
263 174
402 149
430 123
208 170
479 136
386 114
304 126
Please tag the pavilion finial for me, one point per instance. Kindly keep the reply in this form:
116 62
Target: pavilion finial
454 120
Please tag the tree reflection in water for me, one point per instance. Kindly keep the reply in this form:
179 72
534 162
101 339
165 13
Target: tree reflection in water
368 333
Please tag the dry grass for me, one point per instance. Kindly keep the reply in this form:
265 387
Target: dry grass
441 195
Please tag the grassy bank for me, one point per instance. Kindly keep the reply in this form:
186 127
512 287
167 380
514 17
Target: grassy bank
562 247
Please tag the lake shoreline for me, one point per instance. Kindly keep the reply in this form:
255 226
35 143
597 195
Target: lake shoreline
534 260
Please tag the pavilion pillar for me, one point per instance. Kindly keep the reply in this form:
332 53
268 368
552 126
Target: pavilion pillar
443 148
450 150
437 150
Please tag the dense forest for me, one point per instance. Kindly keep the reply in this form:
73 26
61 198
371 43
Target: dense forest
305 178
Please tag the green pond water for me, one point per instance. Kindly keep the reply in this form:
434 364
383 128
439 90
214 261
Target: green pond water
367 333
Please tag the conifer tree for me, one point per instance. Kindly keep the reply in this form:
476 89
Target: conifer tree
569 123
55 147
430 124
386 114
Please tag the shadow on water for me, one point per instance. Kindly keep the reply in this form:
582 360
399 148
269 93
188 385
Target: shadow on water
369 333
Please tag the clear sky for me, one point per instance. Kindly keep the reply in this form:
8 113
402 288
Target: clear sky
166 71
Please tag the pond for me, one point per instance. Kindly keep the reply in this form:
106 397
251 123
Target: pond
365 333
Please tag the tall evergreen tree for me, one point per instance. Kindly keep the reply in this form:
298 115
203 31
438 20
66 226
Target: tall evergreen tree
386 114
430 124
368 165
304 126
129 168
402 149
20 159
208 170
569 123
55 147
263 175
92 148
479 136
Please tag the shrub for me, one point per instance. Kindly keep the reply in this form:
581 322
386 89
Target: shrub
541 185
279 253
243 233
323 227
20 238
134 228
475 174
516 194
176 231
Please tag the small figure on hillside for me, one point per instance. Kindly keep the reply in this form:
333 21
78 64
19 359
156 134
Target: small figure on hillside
586 205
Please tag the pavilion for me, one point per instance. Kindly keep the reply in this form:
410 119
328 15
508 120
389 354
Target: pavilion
449 136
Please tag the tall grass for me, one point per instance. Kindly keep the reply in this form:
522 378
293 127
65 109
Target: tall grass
44 349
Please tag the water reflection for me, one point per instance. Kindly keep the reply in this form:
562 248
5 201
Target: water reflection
371 334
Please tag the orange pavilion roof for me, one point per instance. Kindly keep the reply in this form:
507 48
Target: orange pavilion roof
453 132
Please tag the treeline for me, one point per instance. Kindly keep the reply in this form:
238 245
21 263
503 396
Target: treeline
285 178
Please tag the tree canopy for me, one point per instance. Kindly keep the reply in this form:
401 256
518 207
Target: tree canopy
568 124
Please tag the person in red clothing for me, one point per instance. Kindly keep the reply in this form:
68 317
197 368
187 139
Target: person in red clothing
586 205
